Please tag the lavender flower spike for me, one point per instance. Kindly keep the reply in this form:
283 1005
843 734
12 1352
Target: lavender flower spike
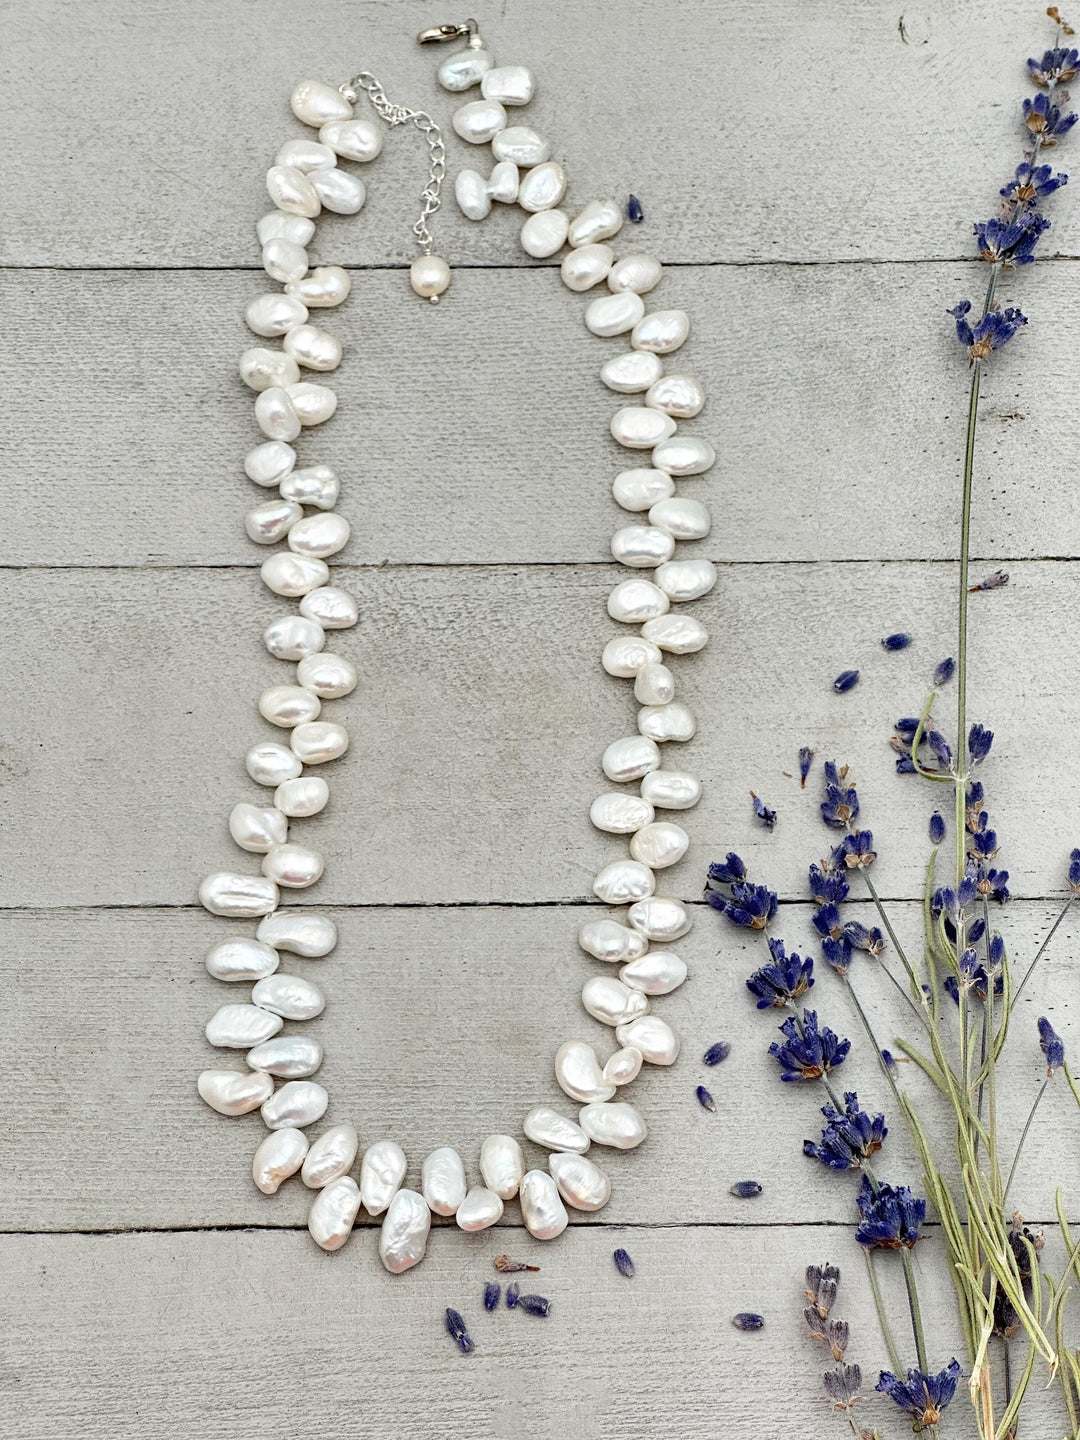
848 1139
807 1052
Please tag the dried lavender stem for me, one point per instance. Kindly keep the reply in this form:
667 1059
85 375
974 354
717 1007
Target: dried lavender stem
882 1314
1042 948
1023 1137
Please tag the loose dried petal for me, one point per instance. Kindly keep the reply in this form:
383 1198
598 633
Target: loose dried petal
747 1320
745 1189
623 1263
510 1267
535 1304
991 582
492 1292
455 1326
513 1291
715 1053
806 755
705 1099
846 680
762 811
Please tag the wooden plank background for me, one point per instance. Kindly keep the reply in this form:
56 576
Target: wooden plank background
809 177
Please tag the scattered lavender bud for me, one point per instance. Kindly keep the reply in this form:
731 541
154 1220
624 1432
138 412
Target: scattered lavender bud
507 1266
745 1189
945 671
991 582
806 755
937 828
534 1304
846 680
715 1053
634 213
747 1320
899 641
762 811
705 1099
513 1291
623 1263
492 1292
455 1326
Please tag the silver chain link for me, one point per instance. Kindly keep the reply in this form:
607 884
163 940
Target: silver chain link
398 115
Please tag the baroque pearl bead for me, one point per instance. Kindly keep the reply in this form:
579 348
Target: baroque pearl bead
681 634
639 428
544 233
276 225
268 523
480 1209
631 373
641 546
297 1103
292 191
619 814
617 1124
624 655
679 395
543 187
581 1183
501 1165
640 489
381 1172
579 1072
319 535
684 519
545 1126
610 941
624 1066
339 192
542 1208
333 1212
429 276
624 881
661 331
274 315
261 368
684 455
614 314
600 220
293 866
659 918
270 462
241 959
270 764
257 827
328 676
443 1180
671 790
334 609
640 273
312 403
239 896
655 685
667 722
306 155
354 139
319 741
634 601
304 796
315 103
522 145
289 574
289 996
279 1155
404 1234
465 69
660 844
312 347
683 580
275 414
288 705
314 485
239 1027
630 758
301 934
479 121
658 1043
291 637
290 1057
509 84
612 1003
587 266
331 1155
236 1092
321 288
657 973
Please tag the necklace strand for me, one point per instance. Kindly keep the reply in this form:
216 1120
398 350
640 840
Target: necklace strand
304 180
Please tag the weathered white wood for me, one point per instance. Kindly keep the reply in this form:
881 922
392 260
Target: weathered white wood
481 717
107 1008
814 135
477 431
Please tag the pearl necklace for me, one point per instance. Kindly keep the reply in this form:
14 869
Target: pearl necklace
305 179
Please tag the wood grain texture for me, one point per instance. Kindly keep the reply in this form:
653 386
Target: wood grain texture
731 130
478 432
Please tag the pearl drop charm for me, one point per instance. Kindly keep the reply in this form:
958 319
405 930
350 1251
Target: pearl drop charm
429 276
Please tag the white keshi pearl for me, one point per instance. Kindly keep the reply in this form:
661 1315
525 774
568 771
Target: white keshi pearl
354 139
661 331
522 145
633 601
659 918
640 273
680 634
542 1208
292 191
641 547
624 655
442 1180
381 1172
614 314
328 676
276 225
333 1213
479 121
617 1124
465 69
313 348
619 814
289 574
684 455
544 233
655 685
480 1209
587 266
658 1043
313 403
236 1092
238 896
404 1234
290 996
334 609
679 395
631 373
630 758
239 1027
289 1057
612 1003
671 790
545 1126
509 84
284 261
502 1165
471 194
306 155
241 959
304 796
429 276
297 1103
315 103
293 866
291 637
624 1066
269 463
331 1155
610 941
319 741
301 934
270 764
638 490
340 192
579 1072
280 1155
657 973
639 428
504 182
543 187
275 415
257 827
288 705
261 368
667 722
313 485
686 579
321 288
274 314
320 535
581 1183
600 220
624 881
682 518
660 844
268 523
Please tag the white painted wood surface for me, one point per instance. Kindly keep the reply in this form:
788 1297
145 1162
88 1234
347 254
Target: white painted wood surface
809 176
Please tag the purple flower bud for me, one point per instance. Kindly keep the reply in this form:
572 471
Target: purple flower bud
623 1263
455 1327
945 671
937 828
846 680
492 1292
634 213
899 641
705 1100
535 1304
513 1291
720 1051
806 755
747 1320
745 1189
